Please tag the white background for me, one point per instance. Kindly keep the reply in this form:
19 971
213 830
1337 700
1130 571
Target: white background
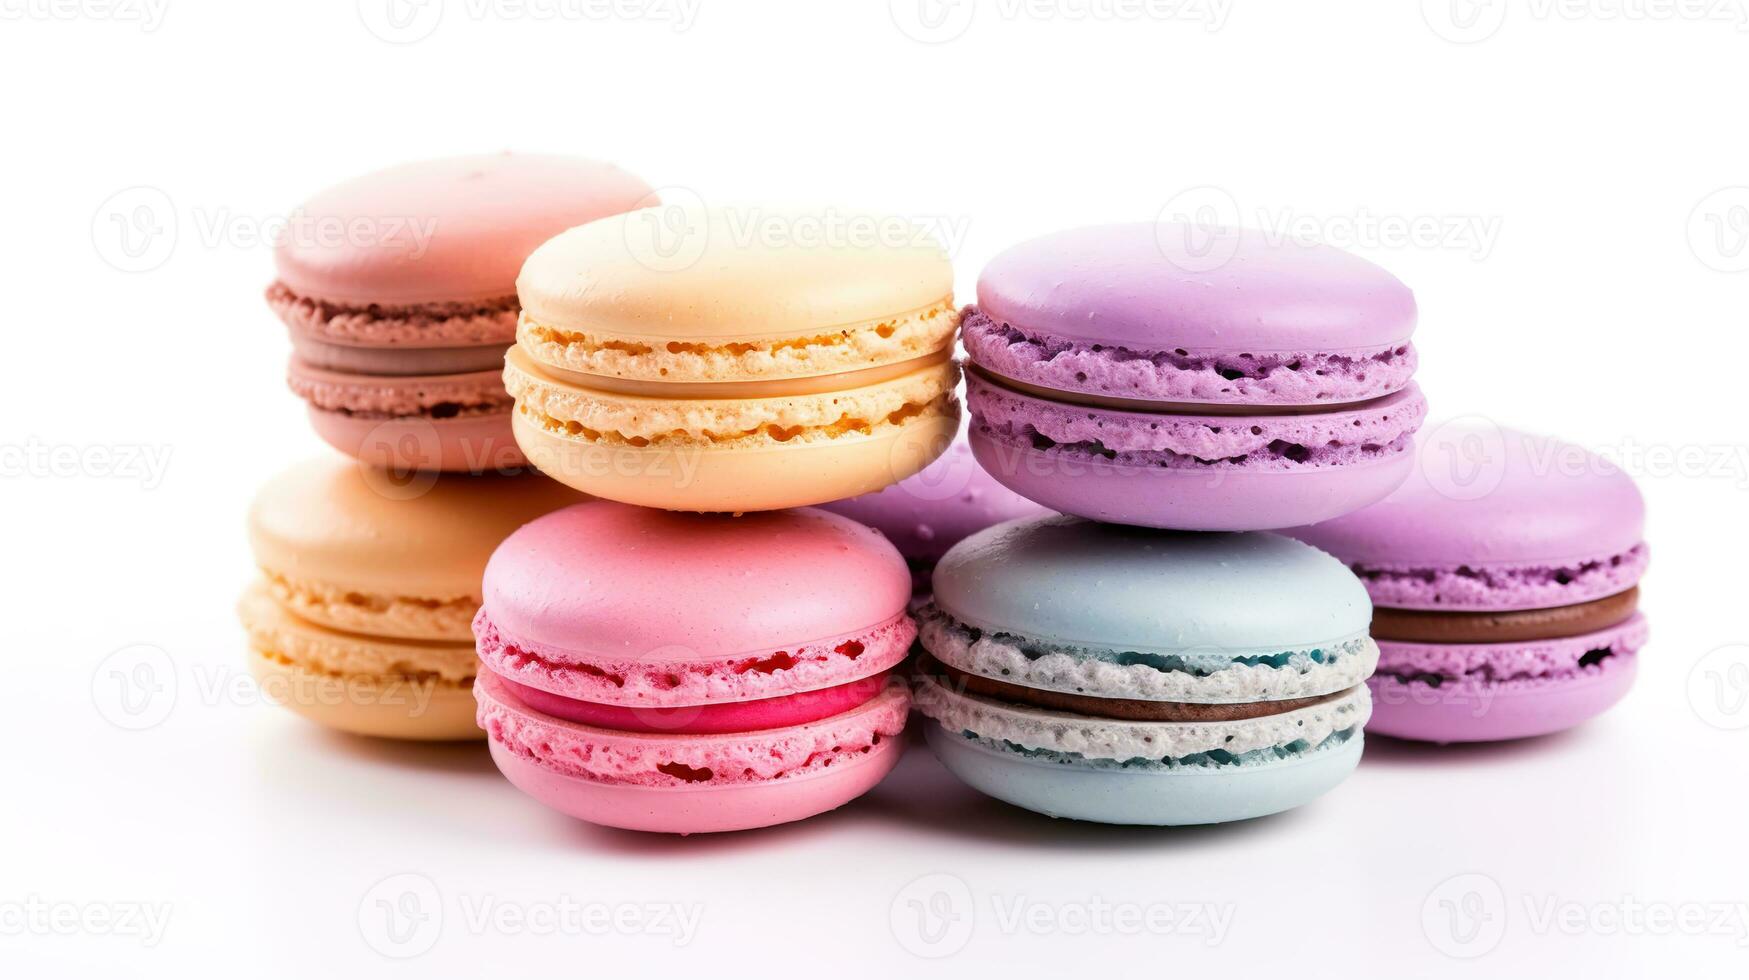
1581 169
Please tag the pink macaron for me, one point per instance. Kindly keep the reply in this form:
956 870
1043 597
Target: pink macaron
1504 577
399 289
688 673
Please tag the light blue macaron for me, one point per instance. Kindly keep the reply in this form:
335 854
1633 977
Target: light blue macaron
1130 675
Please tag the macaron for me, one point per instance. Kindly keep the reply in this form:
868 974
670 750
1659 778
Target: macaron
1138 676
399 289
685 673
929 512
361 618
1175 377
714 360
1506 574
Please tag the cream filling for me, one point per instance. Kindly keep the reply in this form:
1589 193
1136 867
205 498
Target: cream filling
833 350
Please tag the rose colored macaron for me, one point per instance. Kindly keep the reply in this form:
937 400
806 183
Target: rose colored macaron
688 673
399 289
361 618
926 514
1174 377
1505 579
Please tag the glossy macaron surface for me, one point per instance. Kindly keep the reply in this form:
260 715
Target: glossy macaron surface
455 229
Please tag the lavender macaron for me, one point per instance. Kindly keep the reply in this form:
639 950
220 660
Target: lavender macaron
931 511
1504 577
1153 375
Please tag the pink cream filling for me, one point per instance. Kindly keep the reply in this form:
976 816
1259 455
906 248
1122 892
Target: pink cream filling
706 719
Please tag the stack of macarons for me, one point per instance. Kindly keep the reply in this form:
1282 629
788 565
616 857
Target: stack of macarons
398 288
1174 663
701 650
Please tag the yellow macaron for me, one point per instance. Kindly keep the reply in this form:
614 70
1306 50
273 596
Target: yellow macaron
361 619
724 360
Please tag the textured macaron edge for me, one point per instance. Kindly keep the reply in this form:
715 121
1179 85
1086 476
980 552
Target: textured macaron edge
1501 587
1228 377
687 761
1141 743
754 357
807 665
597 417
1341 437
378 614
1192 676
279 634
377 396
1435 664
435 324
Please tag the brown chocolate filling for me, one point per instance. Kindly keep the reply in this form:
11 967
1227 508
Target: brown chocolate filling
1434 626
1123 709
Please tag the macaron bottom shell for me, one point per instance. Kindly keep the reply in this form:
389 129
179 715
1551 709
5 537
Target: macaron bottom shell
737 479
1464 707
399 708
685 784
1217 498
461 444
1143 797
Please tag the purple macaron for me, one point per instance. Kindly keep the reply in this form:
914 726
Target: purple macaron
926 514
1504 577
1162 376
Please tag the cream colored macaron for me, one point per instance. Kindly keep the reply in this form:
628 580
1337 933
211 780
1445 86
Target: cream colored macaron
361 618
734 360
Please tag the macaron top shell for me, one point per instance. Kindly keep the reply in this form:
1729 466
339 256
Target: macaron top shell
347 527
448 230
711 275
1067 581
931 511
1482 495
608 580
1159 288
